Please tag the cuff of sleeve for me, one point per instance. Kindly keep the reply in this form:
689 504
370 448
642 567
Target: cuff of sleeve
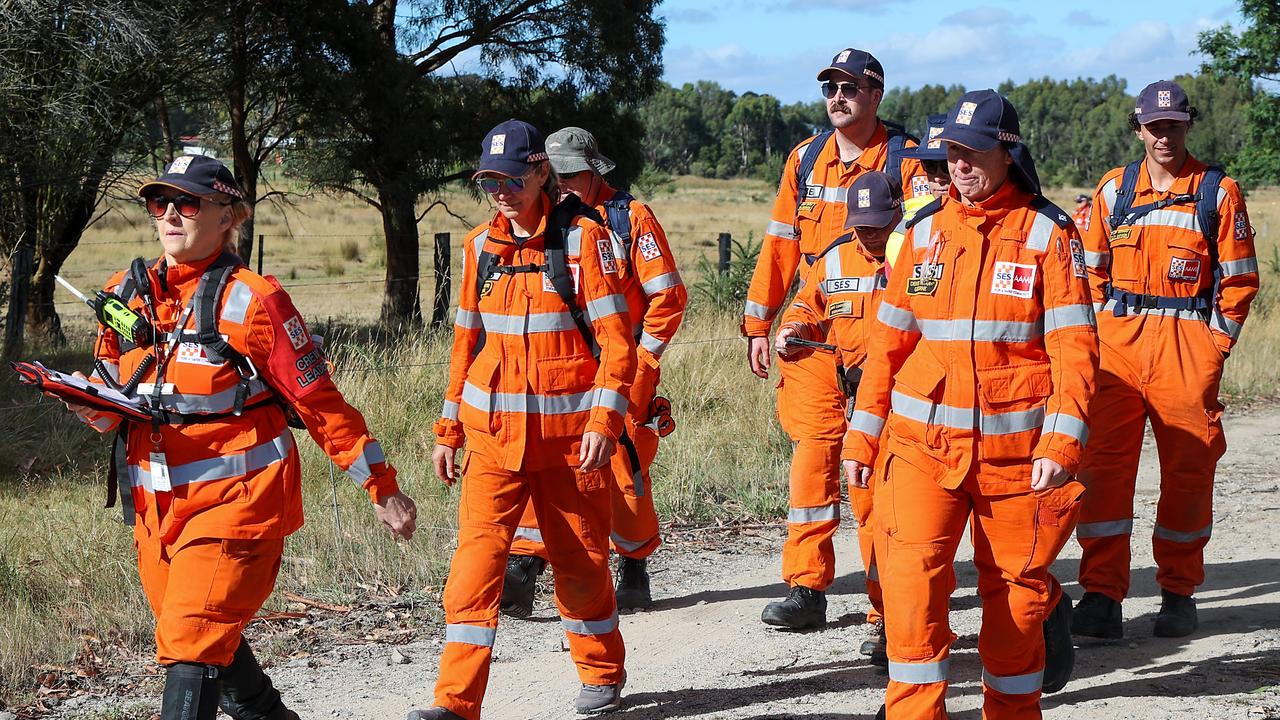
1069 462
605 422
448 433
755 327
1223 342
382 485
856 447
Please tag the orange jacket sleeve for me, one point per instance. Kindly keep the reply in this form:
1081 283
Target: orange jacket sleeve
282 349
466 332
779 255
664 293
808 310
894 338
601 294
1071 341
1238 262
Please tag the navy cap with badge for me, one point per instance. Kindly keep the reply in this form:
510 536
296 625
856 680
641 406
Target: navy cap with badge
874 201
511 149
1162 100
856 63
983 120
931 148
199 175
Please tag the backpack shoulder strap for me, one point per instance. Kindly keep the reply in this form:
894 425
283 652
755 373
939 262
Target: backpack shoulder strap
1207 209
205 304
617 211
808 160
559 225
485 262
1124 194
922 213
898 138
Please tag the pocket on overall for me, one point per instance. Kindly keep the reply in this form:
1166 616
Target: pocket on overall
243 575
1012 409
917 391
479 407
565 389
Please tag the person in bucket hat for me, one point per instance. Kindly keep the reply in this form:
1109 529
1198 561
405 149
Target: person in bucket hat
972 410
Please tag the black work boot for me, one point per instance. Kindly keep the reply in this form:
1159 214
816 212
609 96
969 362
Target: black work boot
803 608
1097 615
519 583
632 589
247 692
190 692
435 713
1177 616
1059 653
876 646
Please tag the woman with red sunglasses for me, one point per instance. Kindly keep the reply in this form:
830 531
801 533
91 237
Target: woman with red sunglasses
543 358
212 485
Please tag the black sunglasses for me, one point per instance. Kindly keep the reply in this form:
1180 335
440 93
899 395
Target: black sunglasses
935 167
848 89
188 206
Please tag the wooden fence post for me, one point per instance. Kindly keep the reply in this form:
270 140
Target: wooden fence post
725 242
440 309
261 238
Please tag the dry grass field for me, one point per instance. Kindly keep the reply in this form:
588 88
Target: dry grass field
67 581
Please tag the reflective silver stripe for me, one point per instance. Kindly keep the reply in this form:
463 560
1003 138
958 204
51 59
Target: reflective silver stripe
865 422
529 534
960 418
1243 266
104 423
1097 259
1109 193
591 627
1068 316
1041 233
606 306
1106 528
541 404
824 513
237 304
1170 218
873 573
919 673
218 402
573 242
662 282
980 330
450 410
897 318
835 270
1014 684
1183 537
221 467
786 231
477 243
468 319
499 324
625 544
920 233
1068 425
610 399
758 311
1225 325
1222 194
652 344
362 467
470 634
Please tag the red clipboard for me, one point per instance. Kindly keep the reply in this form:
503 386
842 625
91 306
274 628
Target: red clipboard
81 392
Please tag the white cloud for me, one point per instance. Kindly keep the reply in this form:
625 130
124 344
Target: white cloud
1082 18
983 17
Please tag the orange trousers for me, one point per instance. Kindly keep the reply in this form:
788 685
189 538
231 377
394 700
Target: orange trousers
1166 370
860 499
573 513
811 410
204 593
918 526
634 532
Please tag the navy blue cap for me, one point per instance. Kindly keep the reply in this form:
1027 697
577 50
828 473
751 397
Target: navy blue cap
199 175
981 120
931 147
511 149
1162 100
858 63
874 201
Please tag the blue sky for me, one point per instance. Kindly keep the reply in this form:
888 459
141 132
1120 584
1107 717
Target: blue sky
778 46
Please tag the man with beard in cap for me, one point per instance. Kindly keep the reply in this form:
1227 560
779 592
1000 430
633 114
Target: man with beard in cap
979 374
1171 261
808 216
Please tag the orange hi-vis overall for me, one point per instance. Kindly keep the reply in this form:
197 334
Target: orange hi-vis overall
212 495
1161 364
811 404
656 298
839 303
983 358
522 401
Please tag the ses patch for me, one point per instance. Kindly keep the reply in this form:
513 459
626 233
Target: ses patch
608 262
1184 269
919 186
924 279
648 246
1077 258
297 332
1013 279
831 286
192 353
1242 225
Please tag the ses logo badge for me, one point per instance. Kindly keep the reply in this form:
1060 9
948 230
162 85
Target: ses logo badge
1013 279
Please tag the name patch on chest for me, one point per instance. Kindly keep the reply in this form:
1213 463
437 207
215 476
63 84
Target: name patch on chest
838 309
1013 279
839 285
1121 233
1184 269
924 279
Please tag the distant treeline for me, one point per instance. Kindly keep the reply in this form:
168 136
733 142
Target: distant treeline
1076 129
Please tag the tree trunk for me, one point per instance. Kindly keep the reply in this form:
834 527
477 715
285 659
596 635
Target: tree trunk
400 307
166 130
20 276
242 158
